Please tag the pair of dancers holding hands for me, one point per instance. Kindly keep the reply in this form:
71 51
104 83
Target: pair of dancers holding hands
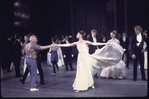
88 65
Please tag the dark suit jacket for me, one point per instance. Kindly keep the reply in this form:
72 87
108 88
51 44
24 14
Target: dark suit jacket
125 44
137 49
66 50
17 48
92 48
9 48
102 41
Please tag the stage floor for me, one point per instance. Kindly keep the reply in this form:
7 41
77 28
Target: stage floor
60 85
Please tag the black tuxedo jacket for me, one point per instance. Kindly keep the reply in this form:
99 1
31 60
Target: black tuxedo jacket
125 44
9 48
66 50
91 47
102 41
137 49
17 48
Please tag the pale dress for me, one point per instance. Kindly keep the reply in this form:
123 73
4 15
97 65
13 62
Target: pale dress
84 78
115 71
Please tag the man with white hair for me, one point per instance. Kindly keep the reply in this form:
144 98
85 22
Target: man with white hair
31 50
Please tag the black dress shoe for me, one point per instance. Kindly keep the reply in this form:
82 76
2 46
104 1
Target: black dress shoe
134 79
22 81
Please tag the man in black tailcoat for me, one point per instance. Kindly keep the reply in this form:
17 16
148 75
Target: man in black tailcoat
138 52
9 52
67 53
17 54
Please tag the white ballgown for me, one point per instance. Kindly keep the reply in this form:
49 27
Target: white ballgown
116 71
88 65
83 78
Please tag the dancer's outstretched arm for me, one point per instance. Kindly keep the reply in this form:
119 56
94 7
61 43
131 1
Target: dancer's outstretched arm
95 44
66 45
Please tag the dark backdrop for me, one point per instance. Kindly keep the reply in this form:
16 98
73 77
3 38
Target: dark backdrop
56 17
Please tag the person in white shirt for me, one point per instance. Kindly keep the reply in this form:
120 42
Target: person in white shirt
67 52
138 52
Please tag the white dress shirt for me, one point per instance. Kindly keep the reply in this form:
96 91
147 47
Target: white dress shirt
67 42
139 38
124 38
94 39
104 39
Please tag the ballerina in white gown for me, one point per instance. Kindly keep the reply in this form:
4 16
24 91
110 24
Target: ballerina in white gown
88 65
115 71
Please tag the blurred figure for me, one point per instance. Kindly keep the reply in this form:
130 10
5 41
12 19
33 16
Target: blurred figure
17 54
54 56
9 52
88 36
26 41
146 52
67 52
138 52
104 39
124 42
118 70
31 50
94 39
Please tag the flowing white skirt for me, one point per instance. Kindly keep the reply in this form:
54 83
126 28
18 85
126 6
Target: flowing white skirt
109 55
88 65
116 71
84 78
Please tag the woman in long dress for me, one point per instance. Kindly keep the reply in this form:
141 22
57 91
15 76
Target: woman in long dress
88 65
115 71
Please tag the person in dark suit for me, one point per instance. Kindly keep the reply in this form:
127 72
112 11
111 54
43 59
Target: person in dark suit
67 53
17 54
138 52
103 39
93 38
124 42
9 52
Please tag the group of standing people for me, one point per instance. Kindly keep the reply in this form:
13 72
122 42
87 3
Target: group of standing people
106 55
60 56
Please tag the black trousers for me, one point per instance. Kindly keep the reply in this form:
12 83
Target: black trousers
127 55
40 72
54 63
139 58
16 62
8 62
67 61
